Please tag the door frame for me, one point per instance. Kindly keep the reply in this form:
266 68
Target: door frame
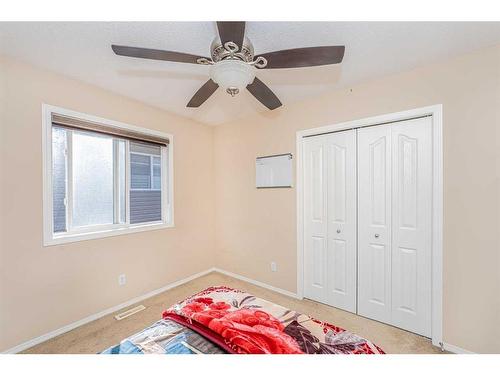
436 112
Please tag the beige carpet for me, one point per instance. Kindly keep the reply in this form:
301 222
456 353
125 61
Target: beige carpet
105 332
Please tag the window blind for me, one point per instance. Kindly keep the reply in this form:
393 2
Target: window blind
72 122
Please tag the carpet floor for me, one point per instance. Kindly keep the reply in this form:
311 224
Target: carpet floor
106 331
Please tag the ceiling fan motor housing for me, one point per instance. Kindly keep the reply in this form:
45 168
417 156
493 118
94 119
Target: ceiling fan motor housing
219 52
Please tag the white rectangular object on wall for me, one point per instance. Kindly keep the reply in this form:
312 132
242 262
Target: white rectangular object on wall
273 171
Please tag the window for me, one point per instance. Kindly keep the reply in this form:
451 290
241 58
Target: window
145 183
103 178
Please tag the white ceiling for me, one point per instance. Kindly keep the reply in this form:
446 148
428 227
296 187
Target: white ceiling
82 50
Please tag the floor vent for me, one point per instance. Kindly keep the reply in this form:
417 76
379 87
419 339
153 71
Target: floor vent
127 313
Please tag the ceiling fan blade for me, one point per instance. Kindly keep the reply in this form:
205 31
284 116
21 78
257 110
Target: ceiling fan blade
203 94
156 54
231 31
303 57
264 94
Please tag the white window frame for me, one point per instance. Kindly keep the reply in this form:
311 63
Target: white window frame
106 230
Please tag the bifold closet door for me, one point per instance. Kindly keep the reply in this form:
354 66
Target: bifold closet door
374 222
330 219
395 223
412 225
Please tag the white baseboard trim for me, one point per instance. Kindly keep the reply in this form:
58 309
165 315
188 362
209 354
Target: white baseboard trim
88 319
258 283
456 349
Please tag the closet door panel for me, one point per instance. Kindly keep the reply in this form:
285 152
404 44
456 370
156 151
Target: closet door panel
341 196
411 217
315 219
374 222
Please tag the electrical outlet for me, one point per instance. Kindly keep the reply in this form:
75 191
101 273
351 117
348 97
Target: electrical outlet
273 266
122 279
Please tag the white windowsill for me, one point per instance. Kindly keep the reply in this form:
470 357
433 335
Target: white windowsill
76 237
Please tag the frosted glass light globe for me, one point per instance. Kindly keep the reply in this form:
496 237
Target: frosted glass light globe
232 75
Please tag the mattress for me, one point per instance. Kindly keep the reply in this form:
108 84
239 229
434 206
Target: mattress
225 320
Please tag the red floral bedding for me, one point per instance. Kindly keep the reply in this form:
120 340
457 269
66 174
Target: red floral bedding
244 324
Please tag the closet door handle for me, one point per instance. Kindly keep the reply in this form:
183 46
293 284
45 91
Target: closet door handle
338 230
377 235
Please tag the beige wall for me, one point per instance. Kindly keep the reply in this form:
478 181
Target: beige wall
255 227
45 288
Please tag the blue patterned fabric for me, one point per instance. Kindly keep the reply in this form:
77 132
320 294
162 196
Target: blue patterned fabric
165 337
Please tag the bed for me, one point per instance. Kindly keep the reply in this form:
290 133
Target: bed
222 320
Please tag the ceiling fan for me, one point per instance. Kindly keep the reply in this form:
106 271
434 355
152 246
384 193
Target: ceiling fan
234 66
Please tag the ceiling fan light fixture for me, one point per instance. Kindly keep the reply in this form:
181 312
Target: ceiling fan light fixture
232 75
